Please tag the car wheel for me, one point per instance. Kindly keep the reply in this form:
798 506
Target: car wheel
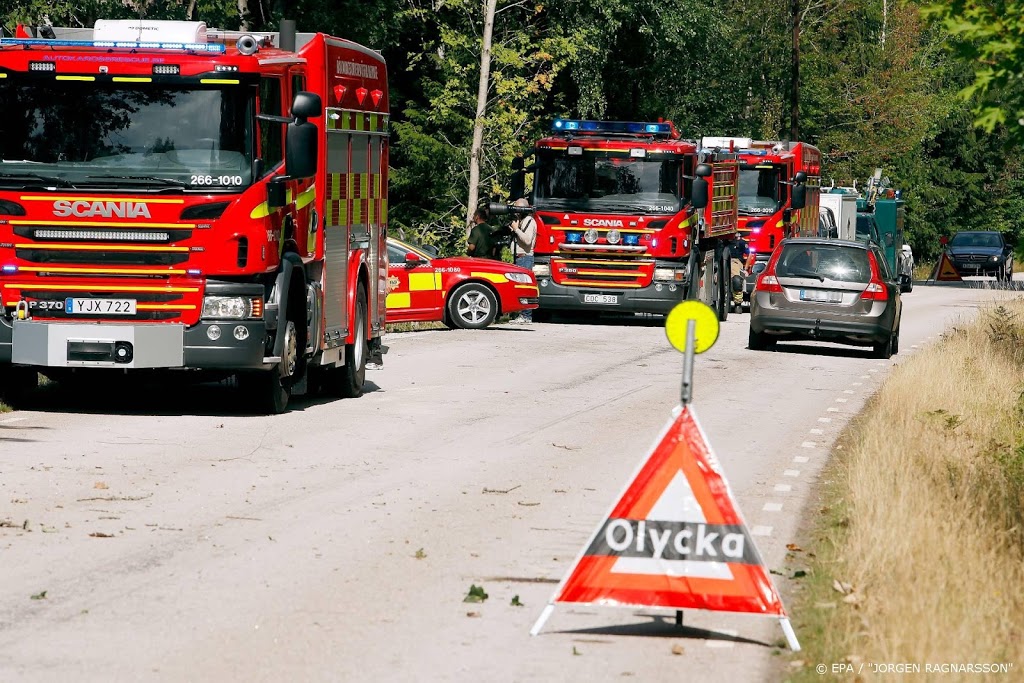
759 341
895 342
472 306
724 282
270 390
883 350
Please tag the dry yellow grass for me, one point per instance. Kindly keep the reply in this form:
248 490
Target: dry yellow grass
929 493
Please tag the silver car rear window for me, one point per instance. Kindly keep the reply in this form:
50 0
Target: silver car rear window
835 262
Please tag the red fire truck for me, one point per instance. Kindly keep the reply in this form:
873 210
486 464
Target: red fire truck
177 197
630 218
768 171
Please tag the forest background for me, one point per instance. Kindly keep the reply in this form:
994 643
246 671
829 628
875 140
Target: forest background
928 92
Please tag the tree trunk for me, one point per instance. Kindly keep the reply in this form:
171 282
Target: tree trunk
794 93
476 152
243 15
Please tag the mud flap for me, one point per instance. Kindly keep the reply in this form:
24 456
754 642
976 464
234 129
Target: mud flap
377 351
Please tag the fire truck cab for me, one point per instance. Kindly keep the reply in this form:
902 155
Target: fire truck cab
173 197
768 173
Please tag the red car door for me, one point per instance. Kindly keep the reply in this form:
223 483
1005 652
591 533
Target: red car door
414 285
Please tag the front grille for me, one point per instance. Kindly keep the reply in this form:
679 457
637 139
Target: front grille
70 233
632 274
101 258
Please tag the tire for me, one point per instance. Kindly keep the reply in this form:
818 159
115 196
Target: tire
349 380
883 350
724 283
759 341
270 390
895 342
16 383
710 289
472 306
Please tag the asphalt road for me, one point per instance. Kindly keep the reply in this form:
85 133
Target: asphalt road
158 535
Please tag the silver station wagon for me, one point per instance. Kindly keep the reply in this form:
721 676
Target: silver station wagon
826 290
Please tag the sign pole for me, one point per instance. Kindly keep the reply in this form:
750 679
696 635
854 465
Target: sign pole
691 337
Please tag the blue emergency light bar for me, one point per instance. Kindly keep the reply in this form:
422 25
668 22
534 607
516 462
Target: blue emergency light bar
631 127
43 42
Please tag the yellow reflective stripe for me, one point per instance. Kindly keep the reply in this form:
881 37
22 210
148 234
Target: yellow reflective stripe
261 211
424 282
306 197
492 277
125 79
96 247
219 81
104 288
104 224
79 198
530 287
76 78
100 271
399 300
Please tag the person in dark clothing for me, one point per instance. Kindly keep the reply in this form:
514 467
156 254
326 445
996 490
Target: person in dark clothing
481 237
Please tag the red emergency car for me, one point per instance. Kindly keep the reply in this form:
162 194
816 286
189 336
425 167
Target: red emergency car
460 291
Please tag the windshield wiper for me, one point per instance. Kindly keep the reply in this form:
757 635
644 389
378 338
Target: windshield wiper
800 272
59 182
168 182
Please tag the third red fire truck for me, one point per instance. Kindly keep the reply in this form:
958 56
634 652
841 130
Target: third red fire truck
768 172
631 218
178 198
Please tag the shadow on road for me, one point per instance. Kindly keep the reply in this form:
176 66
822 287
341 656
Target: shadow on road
168 396
663 626
617 319
822 350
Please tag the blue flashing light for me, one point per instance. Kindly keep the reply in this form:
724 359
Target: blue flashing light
42 42
753 152
194 272
628 127
631 239
8 270
574 237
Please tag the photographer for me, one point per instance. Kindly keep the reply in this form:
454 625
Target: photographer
524 230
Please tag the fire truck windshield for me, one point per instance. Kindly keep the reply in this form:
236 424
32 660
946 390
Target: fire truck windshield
601 182
759 191
106 134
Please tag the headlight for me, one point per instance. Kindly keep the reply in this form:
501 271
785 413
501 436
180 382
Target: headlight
995 258
519 277
230 307
613 236
541 269
665 274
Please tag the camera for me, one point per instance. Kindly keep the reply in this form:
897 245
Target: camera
502 209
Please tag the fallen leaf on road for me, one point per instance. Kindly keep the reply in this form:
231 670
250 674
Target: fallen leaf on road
472 614
793 547
38 596
678 649
799 574
563 446
516 603
475 594
487 490
100 534
420 554
575 651
100 485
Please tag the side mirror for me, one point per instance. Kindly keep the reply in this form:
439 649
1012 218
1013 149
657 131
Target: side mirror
276 195
412 258
699 196
306 105
301 145
799 194
800 177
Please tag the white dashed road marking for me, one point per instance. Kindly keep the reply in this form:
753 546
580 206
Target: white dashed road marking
824 419
817 431
772 507
761 530
783 488
809 444
801 459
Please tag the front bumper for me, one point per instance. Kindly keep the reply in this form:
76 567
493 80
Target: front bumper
62 344
658 298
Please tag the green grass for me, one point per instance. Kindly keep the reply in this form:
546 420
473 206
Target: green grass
414 327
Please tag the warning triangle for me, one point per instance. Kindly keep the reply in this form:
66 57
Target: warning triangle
674 538
945 271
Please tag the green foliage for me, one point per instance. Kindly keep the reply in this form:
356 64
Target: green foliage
887 85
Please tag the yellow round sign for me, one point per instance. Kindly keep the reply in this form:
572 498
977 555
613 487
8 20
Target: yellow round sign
706 329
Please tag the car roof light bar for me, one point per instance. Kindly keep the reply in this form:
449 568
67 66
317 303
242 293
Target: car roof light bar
116 44
615 127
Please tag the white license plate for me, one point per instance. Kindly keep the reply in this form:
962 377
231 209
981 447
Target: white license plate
99 306
818 295
600 299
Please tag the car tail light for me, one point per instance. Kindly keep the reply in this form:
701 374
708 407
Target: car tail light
767 282
876 289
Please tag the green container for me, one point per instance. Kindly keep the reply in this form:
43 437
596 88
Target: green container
888 217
